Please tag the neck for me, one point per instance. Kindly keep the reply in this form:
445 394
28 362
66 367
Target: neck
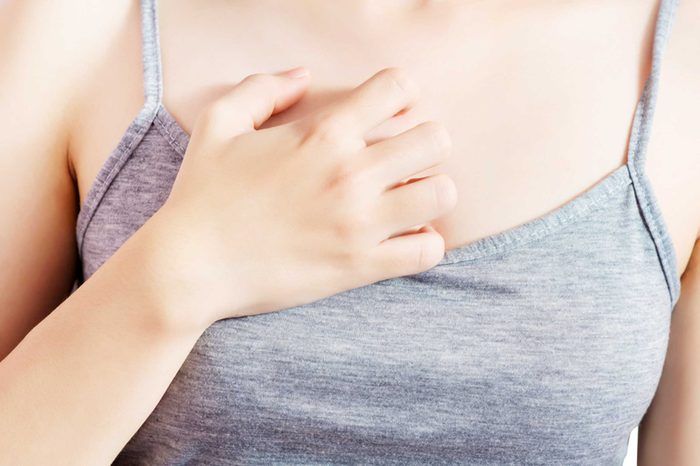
367 10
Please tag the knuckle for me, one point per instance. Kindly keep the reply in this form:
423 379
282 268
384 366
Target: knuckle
439 136
260 80
327 128
302 135
444 192
397 79
421 256
346 183
427 254
353 259
353 220
324 129
350 181
211 113
351 229
346 230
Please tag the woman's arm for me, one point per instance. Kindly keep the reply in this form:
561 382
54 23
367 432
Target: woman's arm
79 385
38 204
670 431
225 244
82 381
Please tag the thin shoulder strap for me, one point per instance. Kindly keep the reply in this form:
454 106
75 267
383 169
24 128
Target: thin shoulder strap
636 155
644 113
153 91
152 74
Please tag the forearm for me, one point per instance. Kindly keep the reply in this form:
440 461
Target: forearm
81 383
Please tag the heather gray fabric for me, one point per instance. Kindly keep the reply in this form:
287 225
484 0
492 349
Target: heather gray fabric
542 344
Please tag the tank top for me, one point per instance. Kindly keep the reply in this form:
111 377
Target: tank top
541 344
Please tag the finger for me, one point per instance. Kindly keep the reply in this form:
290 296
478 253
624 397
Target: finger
395 159
415 203
251 102
379 98
407 254
392 127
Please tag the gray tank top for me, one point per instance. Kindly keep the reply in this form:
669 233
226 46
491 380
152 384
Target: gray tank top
542 344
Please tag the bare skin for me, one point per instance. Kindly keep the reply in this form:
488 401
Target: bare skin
495 75
544 92
108 352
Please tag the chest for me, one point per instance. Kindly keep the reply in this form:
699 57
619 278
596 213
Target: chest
472 362
545 345
534 111
516 348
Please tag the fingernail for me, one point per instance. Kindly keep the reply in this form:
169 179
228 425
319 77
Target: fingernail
298 72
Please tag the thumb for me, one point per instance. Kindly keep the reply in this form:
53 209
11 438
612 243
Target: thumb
252 101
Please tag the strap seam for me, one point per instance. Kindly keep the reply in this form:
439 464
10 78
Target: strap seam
152 79
153 76
636 156
644 112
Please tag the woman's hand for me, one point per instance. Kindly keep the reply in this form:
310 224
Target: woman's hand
260 220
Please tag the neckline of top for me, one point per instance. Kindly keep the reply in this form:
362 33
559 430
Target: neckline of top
533 229
575 209
154 113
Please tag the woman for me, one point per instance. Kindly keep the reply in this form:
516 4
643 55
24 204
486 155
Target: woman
258 292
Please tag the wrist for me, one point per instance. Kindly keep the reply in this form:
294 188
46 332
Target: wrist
180 276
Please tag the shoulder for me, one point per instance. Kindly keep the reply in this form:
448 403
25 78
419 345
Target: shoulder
47 50
54 34
685 58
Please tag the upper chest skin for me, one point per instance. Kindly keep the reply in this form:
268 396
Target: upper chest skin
538 96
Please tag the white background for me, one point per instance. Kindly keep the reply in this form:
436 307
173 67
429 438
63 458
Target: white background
631 459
